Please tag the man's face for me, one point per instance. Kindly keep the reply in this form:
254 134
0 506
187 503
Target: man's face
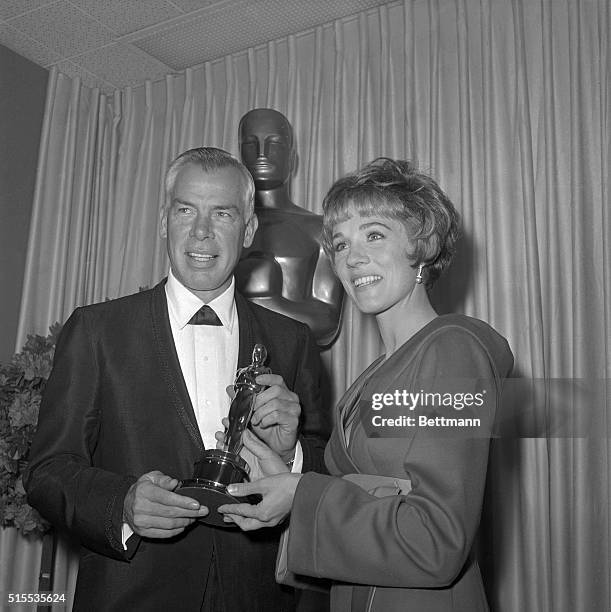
265 147
205 228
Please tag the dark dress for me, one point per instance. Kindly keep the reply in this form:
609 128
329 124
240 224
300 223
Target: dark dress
401 549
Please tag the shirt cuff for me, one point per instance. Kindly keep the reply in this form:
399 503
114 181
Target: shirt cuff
298 460
127 532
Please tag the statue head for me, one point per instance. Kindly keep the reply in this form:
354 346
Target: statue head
266 147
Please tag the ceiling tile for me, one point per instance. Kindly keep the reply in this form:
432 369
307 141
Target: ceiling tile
89 80
63 28
125 16
122 64
124 42
12 8
233 26
193 5
25 46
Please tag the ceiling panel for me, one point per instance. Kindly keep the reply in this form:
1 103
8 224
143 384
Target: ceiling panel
114 43
189 6
11 8
63 28
229 27
122 65
25 46
125 16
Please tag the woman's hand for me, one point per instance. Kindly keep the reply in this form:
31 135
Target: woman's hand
277 492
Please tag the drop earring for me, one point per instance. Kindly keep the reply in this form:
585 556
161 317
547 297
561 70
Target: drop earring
419 275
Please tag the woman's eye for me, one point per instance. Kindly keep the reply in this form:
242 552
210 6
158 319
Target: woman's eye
374 236
339 246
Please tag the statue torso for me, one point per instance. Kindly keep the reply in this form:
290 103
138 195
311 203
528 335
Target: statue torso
283 256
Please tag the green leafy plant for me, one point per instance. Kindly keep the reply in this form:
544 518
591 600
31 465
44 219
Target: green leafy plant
22 382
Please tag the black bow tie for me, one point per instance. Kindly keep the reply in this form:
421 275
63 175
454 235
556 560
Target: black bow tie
205 316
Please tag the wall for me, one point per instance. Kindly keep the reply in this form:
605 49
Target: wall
22 99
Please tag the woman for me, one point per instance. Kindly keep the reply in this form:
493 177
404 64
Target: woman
395 532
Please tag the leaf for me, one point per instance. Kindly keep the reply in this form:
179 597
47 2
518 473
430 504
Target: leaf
21 384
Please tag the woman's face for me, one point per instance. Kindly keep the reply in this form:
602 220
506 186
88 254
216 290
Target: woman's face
372 261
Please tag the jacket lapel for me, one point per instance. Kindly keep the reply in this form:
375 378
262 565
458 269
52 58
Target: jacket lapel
247 325
169 364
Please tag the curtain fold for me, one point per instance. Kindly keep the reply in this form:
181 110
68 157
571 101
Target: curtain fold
507 104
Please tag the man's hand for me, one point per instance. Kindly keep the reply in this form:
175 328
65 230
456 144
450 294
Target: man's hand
278 493
152 510
275 418
263 461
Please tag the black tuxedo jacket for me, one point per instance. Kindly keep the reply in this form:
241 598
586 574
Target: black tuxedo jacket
115 407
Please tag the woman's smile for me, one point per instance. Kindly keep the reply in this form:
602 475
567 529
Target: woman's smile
366 281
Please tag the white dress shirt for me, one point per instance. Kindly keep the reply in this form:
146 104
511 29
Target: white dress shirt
208 354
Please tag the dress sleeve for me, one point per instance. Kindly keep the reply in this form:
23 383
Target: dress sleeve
60 480
418 540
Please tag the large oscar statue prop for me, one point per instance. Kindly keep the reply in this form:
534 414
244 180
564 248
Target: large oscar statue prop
216 469
285 268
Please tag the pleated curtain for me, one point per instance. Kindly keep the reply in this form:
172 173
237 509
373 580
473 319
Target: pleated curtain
507 104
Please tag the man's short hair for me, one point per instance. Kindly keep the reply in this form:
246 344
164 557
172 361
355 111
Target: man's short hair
396 189
210 159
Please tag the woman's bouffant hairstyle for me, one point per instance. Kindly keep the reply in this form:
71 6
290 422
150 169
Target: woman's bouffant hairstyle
396 189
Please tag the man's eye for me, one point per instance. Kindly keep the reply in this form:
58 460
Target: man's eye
223 214
183 210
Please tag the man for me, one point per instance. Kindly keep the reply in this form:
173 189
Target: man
137 392
285 269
